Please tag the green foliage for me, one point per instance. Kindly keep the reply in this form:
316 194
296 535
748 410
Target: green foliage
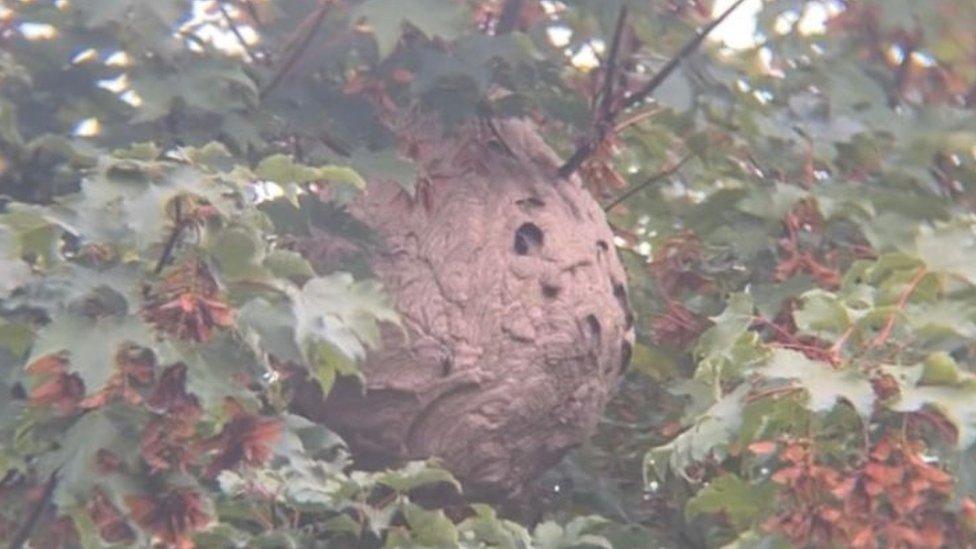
806 280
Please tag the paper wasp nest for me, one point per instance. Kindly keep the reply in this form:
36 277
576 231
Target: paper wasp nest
515 309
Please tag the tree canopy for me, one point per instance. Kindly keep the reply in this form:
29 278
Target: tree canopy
795 212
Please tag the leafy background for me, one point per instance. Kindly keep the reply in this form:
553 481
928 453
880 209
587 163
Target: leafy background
801 248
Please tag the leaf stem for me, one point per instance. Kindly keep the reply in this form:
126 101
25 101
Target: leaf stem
663 174
906 293
174 236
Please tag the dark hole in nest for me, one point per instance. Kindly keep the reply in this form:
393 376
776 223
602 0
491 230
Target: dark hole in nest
602 244
593 325
626 353
447 366
620 292
550 291
528 237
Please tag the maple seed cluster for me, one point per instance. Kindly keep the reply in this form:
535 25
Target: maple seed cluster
894 499
187 303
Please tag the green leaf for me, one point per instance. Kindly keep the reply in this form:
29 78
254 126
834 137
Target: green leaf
290 265
431 17
487 528
957 403
729 347
124 202
825 385
949 248
578 533
273 326
282 169
74 461
711 433
743 502
822 314
386 165
91 344
342 312
430 528
215 369
940 369
414 475
239 252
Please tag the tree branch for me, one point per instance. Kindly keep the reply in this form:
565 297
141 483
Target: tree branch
236 31
663 174
673 63
174 236
586 148
605 113
606 95
509 17
301 39
28 527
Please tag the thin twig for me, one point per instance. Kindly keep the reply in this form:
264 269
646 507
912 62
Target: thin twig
487 116
586 148
605 115
606 96
236 31
906 293
301 40
673 63
174 236
637 118
333 144
28 527
663 174
509 17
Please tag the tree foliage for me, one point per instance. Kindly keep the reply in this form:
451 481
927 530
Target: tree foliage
801 244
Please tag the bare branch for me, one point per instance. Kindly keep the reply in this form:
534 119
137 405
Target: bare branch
609 77
174 236
236 31
663 174
673 63
605 114
300 40
586 148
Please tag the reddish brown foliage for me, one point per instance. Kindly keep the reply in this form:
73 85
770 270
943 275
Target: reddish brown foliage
912 80
134 370
109 521
894 499
675 263
172 517
167 440
187 304
107 462
170 392
56 387
598 171
59 532
678 326
798 258
246 438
